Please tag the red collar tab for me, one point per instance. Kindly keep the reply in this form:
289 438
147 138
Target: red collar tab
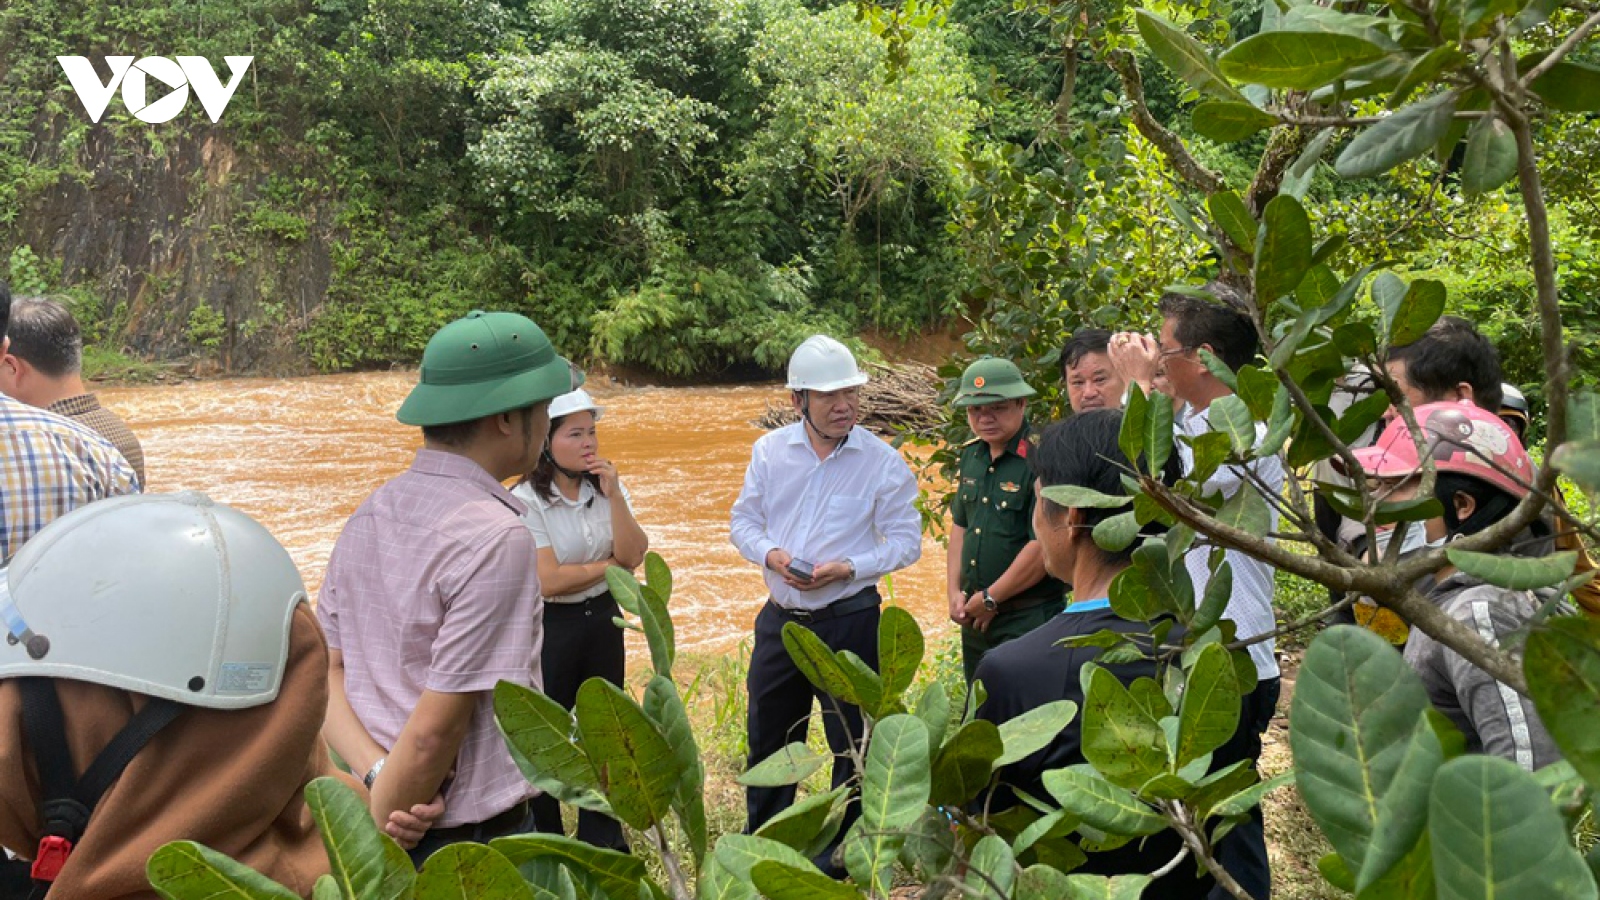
52 856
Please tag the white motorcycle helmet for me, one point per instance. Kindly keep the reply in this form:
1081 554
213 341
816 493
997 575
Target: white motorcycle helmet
170 595
575 401
821 363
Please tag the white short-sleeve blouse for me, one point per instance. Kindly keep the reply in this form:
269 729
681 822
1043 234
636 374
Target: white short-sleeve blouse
579 531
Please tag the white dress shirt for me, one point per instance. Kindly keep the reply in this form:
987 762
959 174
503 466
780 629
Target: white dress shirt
579 531
1250 607
856 505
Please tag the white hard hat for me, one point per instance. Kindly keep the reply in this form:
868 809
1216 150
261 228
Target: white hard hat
169 595
575 401
821 363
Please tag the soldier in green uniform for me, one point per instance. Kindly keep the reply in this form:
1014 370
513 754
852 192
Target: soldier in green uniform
995 571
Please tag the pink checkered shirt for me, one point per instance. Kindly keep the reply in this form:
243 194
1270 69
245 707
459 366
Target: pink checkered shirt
432 586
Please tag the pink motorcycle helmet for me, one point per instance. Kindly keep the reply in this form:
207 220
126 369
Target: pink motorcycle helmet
1461 438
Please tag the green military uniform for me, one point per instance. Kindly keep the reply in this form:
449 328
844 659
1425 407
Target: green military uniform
994 503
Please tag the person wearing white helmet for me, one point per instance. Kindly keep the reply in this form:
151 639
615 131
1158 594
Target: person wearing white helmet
827 509
163 679
581 518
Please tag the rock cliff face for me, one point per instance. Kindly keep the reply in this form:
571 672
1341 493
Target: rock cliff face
177 244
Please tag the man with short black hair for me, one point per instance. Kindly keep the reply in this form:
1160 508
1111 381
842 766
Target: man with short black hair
1221 326
1451 361
432 593
49 465
44 368
1092 381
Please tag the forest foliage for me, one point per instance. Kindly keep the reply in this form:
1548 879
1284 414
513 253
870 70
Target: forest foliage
738 173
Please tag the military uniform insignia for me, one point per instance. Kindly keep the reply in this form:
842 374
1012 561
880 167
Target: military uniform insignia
1010 487
969 482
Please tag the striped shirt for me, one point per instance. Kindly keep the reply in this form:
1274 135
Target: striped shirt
86 408
432 587
49 466
1250 605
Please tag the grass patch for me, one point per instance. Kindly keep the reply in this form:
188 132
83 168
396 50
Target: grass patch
104 365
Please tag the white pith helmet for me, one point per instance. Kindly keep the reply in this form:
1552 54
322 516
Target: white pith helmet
170 595
821 363
575 401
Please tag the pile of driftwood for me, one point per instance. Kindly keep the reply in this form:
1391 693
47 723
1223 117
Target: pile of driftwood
904 396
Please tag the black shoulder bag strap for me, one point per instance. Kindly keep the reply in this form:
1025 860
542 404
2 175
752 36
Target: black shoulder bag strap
69 800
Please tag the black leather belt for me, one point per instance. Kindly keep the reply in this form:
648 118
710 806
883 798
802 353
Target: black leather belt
864 599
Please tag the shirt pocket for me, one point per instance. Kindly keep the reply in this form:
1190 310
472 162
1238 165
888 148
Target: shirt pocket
848 515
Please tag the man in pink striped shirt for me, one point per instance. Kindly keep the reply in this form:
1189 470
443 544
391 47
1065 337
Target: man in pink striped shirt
432 595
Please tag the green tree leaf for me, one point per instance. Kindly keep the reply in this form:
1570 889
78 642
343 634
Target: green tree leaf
1569 87
992 857
364 861
1285 242
1219 590
539 732
1404 135
1247 511
900 649
658 576
1356 705
741 853
717 883
468 871
1562 662
1249 798
866 685
1296 60
1515 572
780 881
624 587
1228 121
1116 533
1231 416
1580 461
816 661
326 889
933 708
1120 739
636 766
1130 438
1583 416
1424 70
618 874
185 870
1157 433
665 708
894 791
1209 713
1402 817
1075 496
791 765
1495 834
1491 158
658 630
1418 309
1032 731
1101 804
1184 56
810 824
963 766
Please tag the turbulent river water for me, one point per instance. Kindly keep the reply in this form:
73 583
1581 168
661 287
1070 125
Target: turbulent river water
301 454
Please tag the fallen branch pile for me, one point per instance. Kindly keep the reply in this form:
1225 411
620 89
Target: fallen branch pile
898 397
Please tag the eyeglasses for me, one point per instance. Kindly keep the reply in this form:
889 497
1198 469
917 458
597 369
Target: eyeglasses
1166 353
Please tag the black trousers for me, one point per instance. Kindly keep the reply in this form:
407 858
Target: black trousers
1243 852
581 642
519 819
781 697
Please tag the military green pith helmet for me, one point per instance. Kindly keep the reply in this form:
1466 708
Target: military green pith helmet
990 380
482 364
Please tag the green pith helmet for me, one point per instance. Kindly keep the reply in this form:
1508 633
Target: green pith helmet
990 380
483 364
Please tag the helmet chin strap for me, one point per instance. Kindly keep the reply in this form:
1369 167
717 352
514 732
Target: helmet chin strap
575 476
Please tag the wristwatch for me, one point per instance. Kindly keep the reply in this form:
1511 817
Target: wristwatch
372 773
988 601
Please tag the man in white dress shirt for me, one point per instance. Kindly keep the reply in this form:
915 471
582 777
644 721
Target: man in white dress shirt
1221 326
826 510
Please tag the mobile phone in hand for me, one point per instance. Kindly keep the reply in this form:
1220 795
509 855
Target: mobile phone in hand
801 569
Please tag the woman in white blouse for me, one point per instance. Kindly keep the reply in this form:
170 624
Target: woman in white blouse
582 522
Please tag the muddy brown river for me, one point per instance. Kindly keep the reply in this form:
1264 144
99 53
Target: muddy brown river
301 454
